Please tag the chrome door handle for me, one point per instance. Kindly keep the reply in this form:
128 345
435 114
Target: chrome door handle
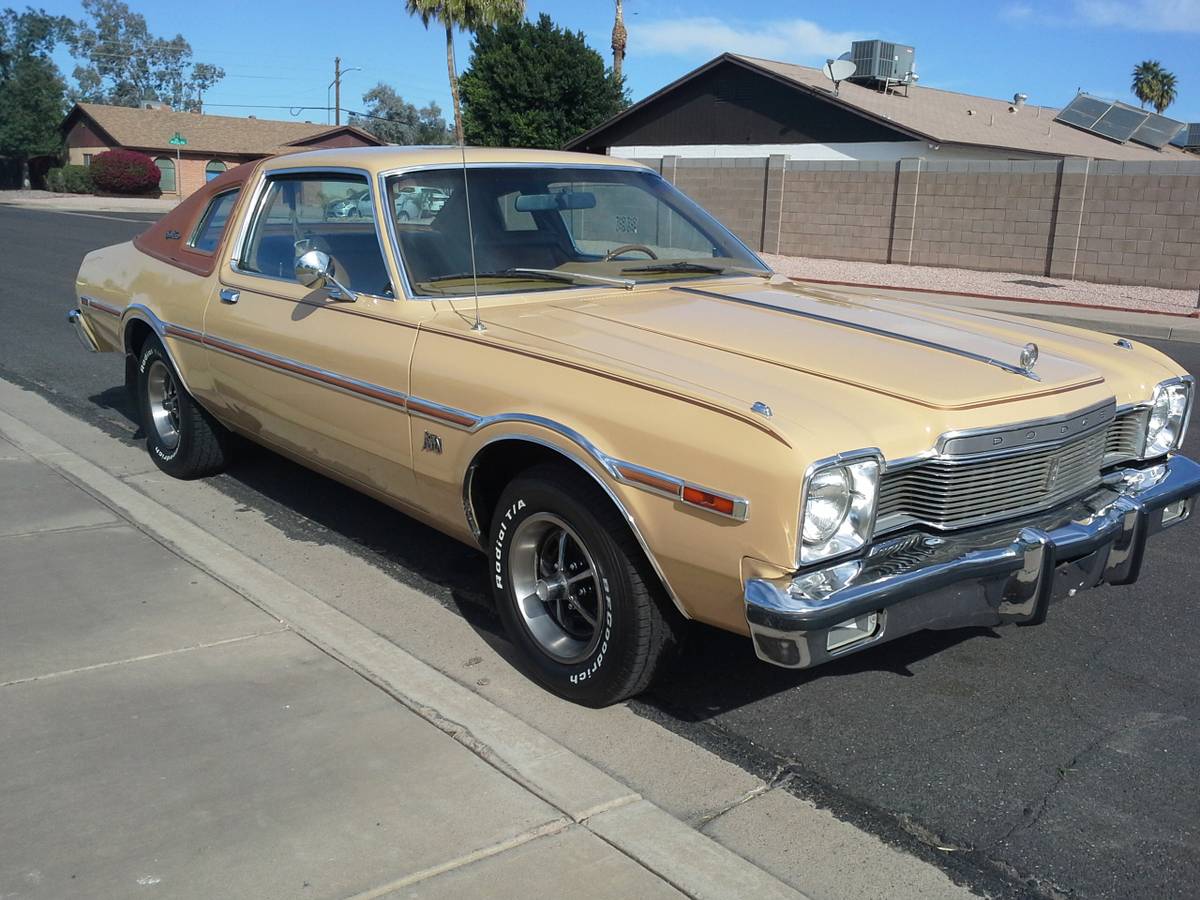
229 295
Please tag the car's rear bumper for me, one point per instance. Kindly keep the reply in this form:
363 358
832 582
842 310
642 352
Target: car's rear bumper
984 576
83 330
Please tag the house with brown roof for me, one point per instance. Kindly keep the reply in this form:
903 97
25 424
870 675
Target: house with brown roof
738 106
213 143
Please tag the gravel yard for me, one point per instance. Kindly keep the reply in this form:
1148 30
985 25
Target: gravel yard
1001 284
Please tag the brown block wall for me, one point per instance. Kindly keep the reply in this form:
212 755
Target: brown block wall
734 191
1124 223
840 210
1140 226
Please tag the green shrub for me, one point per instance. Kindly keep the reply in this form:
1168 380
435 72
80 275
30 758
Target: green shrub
54 179
76 180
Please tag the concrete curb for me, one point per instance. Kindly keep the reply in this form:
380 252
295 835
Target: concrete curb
153 206
682 856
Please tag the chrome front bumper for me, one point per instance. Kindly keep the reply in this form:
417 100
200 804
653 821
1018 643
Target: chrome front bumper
83 330
982 577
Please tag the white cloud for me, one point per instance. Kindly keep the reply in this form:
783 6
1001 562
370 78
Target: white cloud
1018 12
1142 15
789 39
1181 16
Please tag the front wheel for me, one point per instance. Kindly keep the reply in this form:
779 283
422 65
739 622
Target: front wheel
574 590
181 436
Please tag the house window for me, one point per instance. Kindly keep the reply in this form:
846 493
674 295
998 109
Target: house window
166 174
87 159
214 169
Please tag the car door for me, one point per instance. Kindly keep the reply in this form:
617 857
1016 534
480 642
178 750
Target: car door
313 372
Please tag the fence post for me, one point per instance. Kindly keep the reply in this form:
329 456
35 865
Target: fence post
904 218
667 168
1068 223
773 188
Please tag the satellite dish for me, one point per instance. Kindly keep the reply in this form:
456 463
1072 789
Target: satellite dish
837 70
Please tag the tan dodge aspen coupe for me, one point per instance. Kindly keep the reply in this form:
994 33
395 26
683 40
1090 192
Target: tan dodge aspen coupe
568 363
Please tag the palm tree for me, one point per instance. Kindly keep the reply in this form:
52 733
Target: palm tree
1154 85
465 15
619 39
1165 93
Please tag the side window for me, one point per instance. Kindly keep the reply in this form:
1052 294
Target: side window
212 224
326 212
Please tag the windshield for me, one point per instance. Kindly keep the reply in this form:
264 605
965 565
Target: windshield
546 228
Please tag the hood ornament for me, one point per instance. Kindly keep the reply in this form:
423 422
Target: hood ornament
1029 356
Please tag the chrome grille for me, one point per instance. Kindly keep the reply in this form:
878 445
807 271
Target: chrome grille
1125 436
955 492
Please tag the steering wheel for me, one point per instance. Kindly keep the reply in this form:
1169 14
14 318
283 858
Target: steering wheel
626 248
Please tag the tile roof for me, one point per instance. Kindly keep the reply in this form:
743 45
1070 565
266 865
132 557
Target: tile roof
942 117
152 129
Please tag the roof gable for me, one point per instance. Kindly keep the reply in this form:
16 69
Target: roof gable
931 114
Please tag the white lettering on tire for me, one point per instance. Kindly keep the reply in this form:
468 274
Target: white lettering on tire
498 571
144 364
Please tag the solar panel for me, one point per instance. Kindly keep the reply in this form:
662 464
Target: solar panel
1157 131
1193 135
1083 111
1120 122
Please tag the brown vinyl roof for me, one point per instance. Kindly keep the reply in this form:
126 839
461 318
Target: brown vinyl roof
936 115
151 129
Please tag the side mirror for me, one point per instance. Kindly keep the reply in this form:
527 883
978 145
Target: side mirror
314 269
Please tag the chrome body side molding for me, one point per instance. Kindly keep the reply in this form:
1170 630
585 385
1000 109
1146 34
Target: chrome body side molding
473 521
632 474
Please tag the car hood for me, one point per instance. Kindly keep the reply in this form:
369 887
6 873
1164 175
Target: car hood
747 341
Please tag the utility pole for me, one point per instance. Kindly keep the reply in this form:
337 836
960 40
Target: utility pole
337 90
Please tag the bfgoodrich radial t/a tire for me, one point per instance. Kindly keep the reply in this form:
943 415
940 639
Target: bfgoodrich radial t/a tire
181 437
574 590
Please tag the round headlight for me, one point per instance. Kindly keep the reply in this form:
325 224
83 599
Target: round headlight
1166 419
827 504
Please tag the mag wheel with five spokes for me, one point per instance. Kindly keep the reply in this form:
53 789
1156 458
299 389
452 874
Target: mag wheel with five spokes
574 589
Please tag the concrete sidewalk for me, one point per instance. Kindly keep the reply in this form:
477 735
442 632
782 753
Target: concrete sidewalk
87 203
163 733
701 824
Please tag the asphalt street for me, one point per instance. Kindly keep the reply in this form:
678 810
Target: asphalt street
1047 761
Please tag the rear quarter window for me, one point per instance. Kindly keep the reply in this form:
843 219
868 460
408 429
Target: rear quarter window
211 226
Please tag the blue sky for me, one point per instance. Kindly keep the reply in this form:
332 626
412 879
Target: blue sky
280 54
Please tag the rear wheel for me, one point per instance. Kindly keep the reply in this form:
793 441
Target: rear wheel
181 437
574 590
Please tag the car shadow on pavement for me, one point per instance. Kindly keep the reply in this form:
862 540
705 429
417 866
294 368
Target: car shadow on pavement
716 671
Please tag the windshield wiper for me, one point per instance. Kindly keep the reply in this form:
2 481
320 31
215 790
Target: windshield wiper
568 275
657 268
522 274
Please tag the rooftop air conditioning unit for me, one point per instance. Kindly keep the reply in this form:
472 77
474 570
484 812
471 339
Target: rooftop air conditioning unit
881 61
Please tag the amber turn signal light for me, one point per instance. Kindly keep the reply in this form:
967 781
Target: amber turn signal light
705 500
